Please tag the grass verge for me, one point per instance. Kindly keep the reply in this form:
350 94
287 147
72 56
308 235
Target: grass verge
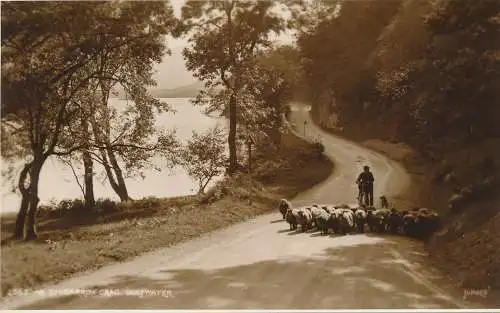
73 241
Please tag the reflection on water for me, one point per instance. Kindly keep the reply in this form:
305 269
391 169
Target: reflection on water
57 181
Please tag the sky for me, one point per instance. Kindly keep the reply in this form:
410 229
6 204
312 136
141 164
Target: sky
172 72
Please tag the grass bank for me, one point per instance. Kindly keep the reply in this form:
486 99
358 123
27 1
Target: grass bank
465 249
72 241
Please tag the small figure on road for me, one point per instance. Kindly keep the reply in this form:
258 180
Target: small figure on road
365 182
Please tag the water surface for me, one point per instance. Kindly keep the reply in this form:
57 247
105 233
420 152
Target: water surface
57 181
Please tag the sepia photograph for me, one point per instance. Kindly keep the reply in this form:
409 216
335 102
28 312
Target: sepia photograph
250 155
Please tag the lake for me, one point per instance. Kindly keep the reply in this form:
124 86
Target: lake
57 181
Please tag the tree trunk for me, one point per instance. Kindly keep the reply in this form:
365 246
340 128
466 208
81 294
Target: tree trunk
201 188
108 170
104 155
117 184
122 187
249 145
233 159
88 164
120 190
33 198
23 210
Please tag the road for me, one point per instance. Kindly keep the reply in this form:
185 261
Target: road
259 264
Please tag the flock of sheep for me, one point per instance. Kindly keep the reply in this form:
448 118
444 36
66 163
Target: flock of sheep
345 219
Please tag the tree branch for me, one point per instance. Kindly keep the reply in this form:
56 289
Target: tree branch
74 174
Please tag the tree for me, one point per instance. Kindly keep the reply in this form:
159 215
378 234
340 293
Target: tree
224 37
260 104
203 157
306 15
51 52
336 53
278 80
454 79
463 41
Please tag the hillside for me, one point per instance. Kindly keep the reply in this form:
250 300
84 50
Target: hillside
186 91
423 74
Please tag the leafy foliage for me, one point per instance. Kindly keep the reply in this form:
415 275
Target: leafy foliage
437 90
65 56
458 72
204 156
224 38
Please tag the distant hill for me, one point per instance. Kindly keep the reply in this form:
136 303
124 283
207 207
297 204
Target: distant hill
186 91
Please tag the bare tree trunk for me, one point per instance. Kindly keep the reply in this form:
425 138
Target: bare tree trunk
33 198
122 187
110 163
233 159
23 210
109 171
88 164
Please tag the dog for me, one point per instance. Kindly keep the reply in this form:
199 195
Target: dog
384 203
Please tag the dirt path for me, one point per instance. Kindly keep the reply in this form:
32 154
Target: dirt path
259 264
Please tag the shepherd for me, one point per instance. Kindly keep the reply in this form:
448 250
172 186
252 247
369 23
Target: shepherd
365 182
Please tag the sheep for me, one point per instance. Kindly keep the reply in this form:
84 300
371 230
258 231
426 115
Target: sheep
360 216
377 220
333 221
383 215
345 220
315 212
322 222
284 206
410 222
427 222
395 221
416 222
291 217
370 220
434 221
342 206
305 219
328 209
368 208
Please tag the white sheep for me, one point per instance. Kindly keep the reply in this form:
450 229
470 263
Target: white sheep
360 216
322 221
315 212
346 221
327 208
305 219
342 220
333 221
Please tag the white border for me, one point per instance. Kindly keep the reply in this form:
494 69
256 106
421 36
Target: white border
283 311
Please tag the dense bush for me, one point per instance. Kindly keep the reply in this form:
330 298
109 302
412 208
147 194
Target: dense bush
68 207
318 148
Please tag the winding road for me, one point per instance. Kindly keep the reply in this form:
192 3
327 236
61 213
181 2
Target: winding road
260 264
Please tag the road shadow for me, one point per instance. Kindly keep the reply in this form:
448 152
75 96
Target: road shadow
318 234
277 221
347 277
295 232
